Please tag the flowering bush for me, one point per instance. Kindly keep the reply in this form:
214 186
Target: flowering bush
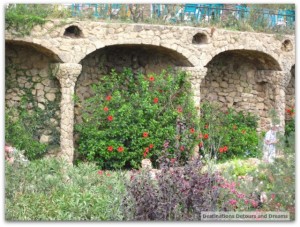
176 194
227 135
132 117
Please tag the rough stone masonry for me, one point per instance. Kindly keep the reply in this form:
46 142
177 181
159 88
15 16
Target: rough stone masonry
247 71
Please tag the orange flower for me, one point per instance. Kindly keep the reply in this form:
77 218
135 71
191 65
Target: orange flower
221 149
155 100
225 148
105 109
120 149
206 136
108 98
151 78
179 109
151 146
145 134
110 118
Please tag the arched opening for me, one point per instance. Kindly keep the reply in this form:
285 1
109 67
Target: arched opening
287 45
140 58
73 32
290 95
233 82
199 38
30 87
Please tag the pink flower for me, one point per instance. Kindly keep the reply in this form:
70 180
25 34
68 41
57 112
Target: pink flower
232 202
173 160
100 172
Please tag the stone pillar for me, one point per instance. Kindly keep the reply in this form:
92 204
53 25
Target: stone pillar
67 74
197 74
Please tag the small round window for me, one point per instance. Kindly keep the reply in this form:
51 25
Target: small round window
73 31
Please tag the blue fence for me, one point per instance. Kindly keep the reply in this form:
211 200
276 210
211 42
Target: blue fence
192 12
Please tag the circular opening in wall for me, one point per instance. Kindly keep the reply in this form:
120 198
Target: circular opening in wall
287 45
199 38
73 31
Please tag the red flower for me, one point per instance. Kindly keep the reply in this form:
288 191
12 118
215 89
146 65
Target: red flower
182 148
145 154
151 78
221 149
206 126
155 100
225 148
110 148
179 109
147 149
120 149
105 109
192 130
201 144
110 118
108 98
145 134
243 131
206 136
151 146
100 172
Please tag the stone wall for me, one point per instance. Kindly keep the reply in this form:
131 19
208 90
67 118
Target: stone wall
234 83
28 80
144 58
290 93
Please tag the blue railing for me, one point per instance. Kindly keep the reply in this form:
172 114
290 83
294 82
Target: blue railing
192 12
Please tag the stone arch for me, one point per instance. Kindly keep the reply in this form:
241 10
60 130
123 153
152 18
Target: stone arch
27 77
233 80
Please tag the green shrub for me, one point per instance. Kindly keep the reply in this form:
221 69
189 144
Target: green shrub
23 17
48 189
131 117
20 136
24 127
227 135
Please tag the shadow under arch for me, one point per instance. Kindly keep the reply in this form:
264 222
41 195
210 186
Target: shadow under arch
261 60
52 56
144 53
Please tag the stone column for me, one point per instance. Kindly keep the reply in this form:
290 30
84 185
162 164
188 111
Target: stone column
67 74
197 74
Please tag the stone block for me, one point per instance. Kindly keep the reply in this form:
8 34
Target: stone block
50 96
45 139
